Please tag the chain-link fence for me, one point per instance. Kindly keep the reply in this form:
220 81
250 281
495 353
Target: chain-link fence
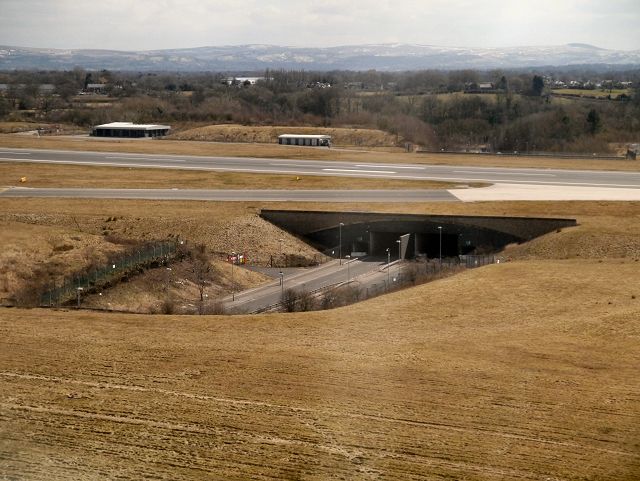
116 269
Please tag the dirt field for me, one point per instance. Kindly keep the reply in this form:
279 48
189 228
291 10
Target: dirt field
292 152
524 370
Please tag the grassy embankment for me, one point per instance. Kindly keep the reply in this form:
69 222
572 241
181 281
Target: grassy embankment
523 370
59 236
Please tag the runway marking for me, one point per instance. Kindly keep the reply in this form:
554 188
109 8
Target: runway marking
485 172
327 172
391 166
144 158
361 171
289 165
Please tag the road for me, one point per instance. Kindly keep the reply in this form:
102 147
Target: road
364 272
493 175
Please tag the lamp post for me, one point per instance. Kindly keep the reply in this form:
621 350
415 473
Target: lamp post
340 241
233 287
399 242
79 291
281 240
348 273
440 234
281 283
388 268
168 271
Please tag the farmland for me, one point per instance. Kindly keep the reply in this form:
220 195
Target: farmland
596 94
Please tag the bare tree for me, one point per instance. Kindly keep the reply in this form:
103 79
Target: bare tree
201 271
289 300
306 301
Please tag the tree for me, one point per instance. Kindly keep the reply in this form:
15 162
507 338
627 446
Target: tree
289 300
537 86
593 121
201 272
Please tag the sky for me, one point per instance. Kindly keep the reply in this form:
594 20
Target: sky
162 24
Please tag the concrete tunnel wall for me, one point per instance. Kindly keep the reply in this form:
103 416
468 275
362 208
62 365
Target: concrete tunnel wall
374 233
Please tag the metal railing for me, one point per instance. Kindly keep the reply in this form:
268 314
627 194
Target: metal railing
116 269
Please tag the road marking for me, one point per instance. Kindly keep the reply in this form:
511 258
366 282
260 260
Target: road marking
16 153
361 171
485 172
391 166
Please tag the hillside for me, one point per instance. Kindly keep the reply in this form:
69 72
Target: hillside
524 370
48 238
269 134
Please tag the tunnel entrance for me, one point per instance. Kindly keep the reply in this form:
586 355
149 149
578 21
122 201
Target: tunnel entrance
408 236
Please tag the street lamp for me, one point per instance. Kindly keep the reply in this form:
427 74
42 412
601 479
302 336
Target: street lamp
233 287
282 283
168 279
440 233
348 273
340 241
79 291
281 240
399 242
388 267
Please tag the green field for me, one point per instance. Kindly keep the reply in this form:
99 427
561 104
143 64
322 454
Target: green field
614 93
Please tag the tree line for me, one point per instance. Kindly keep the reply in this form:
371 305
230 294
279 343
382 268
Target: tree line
433 108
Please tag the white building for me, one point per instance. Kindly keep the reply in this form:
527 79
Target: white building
300 139
128 129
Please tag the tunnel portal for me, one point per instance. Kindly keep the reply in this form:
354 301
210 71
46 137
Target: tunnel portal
408 235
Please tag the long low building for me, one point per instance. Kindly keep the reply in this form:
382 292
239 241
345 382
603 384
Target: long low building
301 139
128 129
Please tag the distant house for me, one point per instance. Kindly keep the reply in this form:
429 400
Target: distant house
240 81
129 130
318 85
478 88
95 88
303 139
46 89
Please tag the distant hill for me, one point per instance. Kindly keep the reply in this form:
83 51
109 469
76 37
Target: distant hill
391 57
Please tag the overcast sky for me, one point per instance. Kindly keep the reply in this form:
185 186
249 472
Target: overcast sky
159 24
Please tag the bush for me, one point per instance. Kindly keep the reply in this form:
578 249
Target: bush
168 306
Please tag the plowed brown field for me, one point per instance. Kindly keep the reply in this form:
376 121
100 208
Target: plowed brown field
524 370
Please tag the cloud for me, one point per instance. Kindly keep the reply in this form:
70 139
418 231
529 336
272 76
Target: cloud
145 24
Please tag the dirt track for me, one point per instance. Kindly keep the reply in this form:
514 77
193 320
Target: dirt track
539 381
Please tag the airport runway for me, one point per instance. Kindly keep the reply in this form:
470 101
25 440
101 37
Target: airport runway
460 174
325 196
